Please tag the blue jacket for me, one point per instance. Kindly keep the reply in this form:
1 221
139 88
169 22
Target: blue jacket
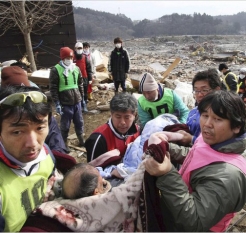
193 122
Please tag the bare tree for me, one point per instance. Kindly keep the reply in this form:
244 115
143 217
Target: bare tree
35 17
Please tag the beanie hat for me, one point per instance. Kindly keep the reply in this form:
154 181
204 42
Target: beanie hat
14 76
223 66
117 40
78 45
66 52
147 83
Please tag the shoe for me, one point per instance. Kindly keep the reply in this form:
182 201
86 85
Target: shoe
90 97
81 140
84 107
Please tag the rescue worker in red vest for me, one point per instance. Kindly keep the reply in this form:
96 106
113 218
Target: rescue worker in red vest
118 132
66 89
25 163
229 79
242 84
84 65
211 184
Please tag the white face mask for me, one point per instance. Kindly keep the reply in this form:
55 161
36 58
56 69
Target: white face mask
79 51
68 62
118 45
241 76
86 51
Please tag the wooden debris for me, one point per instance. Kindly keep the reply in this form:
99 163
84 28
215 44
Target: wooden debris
103 107
170 68
77 148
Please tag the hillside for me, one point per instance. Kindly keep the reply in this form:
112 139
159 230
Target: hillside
98 25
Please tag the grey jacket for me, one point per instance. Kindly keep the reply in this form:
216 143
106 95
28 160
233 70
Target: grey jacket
218 189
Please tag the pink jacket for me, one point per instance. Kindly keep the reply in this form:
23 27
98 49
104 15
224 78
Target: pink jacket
204 156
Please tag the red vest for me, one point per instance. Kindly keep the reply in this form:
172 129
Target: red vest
204 156
81 63
113 142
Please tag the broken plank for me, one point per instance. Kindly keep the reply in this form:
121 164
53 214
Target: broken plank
77 148
170 68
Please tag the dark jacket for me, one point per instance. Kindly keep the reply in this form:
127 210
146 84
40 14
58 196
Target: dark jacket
119 64
54 139
67 97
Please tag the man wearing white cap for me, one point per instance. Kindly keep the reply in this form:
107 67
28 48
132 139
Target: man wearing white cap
242 83
156 101
85 67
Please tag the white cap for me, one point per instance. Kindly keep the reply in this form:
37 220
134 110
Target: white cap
78 45
242 70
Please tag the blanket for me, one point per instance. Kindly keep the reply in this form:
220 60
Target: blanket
111 212
134 151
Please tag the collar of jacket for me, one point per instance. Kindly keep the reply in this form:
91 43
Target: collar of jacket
9 163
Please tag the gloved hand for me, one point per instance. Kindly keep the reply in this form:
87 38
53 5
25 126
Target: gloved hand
59 108
90 82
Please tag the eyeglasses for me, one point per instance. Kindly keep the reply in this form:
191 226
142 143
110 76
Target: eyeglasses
203 92
18 99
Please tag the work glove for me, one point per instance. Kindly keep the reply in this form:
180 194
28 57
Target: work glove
59 108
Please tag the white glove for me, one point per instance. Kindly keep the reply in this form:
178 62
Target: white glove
90 82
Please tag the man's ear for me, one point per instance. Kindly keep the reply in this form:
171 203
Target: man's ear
236 130
96 191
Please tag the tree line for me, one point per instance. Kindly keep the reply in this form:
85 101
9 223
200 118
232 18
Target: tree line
97 25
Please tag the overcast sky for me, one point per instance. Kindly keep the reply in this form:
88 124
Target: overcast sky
139 10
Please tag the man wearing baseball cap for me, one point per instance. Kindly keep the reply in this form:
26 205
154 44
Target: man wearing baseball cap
66 89
157 100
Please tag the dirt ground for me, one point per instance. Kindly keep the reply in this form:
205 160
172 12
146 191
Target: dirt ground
92 119
95 117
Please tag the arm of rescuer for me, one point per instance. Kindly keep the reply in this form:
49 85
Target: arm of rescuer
95 145
211 199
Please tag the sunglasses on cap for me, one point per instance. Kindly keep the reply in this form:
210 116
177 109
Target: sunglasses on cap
18 99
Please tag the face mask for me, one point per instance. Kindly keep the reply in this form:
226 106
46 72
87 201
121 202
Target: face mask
67 62
79 51
118 46
86 51
241 76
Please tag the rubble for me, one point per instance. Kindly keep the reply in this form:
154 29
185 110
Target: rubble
155 55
